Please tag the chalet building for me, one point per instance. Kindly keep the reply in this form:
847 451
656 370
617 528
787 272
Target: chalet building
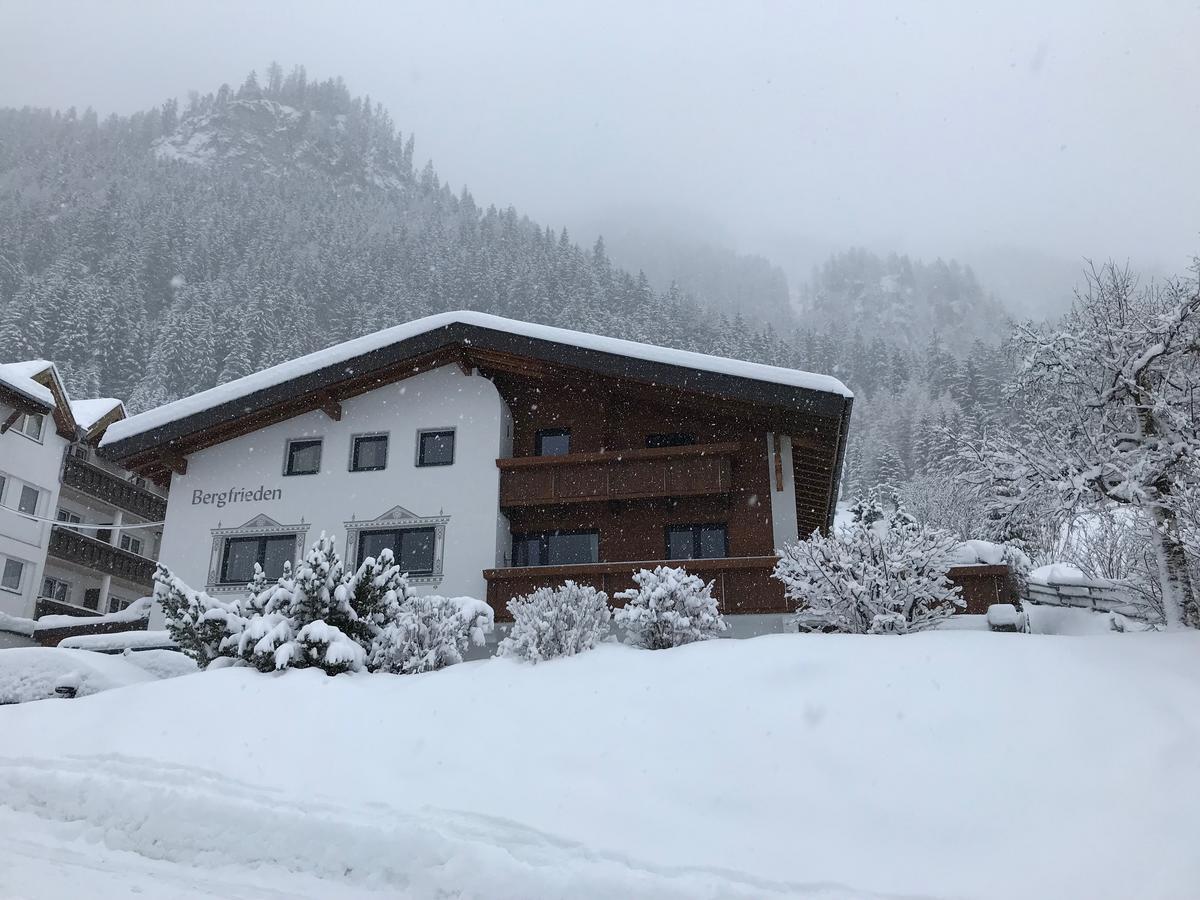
494 456
52 487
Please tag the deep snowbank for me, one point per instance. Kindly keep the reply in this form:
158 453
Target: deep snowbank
943 764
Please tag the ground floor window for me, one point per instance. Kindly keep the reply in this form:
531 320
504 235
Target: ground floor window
412 547
242 553
10 574
697 542
56 589
556 548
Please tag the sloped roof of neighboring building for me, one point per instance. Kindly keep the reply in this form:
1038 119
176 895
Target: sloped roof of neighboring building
35 386
19 377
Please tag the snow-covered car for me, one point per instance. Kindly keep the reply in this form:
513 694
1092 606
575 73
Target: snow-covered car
39 673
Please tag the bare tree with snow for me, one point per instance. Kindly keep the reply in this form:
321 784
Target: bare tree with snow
1110 403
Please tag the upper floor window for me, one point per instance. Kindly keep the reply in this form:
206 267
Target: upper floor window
303 457
68 517
368 452
413 548
10 574
132 544
241 554
56 589
435 448
670 439
553 442
556 548
697 542
116 604
29 499
31 425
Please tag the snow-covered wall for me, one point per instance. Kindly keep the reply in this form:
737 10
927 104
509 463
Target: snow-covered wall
238 487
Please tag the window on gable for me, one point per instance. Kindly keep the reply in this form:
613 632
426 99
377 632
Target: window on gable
435 448
697 542
369 453
553 442
269 551
31 425
303 457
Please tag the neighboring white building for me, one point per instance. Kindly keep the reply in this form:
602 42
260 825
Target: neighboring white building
50 474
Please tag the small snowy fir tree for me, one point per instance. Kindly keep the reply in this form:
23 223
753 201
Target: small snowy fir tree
430 633
325 622
668 608
268 640
201 625
884 574
377 593
553 622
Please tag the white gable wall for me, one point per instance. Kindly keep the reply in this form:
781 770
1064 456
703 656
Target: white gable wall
464 494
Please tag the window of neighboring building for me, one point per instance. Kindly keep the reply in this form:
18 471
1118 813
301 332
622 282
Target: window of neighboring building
670 439
556 548
116 604
368 452
132 544
3 485
31 425
56 589
65 515
269 551
91 598
413 548
697 542
303 457
10 577
435 448
553 442
29 499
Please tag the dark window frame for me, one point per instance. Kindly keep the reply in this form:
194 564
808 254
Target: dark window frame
543 538
543 433
662 439
288 450
399 554
423 433
5 561
371 436
260 556
696 529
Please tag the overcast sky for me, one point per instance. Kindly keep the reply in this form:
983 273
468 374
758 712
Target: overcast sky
1067 128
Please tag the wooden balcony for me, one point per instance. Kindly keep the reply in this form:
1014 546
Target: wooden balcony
73 547
742 583
691 471
113 489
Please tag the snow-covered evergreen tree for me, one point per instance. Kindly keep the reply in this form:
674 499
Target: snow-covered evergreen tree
668 608
554 622
198 623
1107 399
884 574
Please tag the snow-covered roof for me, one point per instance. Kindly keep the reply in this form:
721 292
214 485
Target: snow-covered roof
19 377
88 412
349 350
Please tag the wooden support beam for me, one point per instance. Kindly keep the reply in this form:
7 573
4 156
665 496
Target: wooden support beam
176 464
778 461
10 421
331 407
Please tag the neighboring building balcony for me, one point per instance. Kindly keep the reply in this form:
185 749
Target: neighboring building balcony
690 471
113 489
743 584
73 547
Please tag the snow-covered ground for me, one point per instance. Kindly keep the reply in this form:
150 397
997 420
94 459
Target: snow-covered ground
947 764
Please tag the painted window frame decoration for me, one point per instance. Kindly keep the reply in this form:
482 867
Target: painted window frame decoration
259 526
287 455
422 433
398 518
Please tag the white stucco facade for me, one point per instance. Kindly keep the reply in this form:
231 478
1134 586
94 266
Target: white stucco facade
238 488
27 463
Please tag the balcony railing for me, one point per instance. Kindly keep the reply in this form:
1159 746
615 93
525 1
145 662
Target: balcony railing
112 489
73 547
695 470
743 584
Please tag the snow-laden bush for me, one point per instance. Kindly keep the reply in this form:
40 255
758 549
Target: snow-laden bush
884 574
668 608
430 633
198 623
553 622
